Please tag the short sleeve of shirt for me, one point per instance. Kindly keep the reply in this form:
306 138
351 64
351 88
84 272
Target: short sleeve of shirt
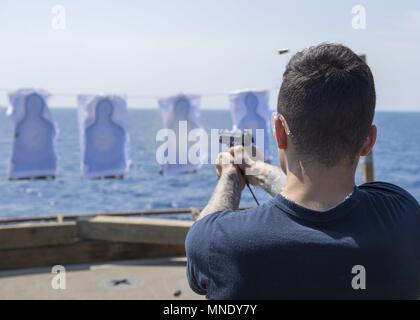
198 247
391 192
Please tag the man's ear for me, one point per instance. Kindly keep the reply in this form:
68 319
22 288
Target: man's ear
280 134
370 141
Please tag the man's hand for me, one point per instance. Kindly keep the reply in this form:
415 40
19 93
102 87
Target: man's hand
257 172
232 167
225 165
247 167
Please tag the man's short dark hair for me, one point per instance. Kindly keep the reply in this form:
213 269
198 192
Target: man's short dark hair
328 100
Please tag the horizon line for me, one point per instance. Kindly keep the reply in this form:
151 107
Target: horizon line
222 109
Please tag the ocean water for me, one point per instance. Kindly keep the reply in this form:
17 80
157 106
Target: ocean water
397 160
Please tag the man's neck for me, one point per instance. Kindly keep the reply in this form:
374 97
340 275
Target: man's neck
319 188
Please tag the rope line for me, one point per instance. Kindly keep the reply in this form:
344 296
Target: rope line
142 96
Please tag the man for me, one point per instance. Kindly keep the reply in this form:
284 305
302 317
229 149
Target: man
320 236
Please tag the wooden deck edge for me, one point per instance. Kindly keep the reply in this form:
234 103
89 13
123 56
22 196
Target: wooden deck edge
84 252
72 217
90 239
133 230
31 235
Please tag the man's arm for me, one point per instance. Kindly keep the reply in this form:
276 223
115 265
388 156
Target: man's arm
227 194
270 178
258 173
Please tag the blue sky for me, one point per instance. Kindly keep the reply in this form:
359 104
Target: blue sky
164 47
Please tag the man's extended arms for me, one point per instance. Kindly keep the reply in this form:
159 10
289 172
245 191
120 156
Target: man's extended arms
231 182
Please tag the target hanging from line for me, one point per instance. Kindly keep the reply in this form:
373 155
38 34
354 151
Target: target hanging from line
33 153
104 138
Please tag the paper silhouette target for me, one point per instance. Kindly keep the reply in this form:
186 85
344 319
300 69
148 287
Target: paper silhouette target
180 115
33 154
104 137
250 111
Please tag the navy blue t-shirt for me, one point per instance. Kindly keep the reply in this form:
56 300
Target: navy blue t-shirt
281 250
